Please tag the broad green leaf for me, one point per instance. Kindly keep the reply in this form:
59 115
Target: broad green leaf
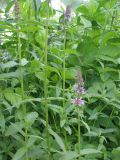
31 117
2 122
24 61
85 22
56 136
8 64
92 6
88 51
14 128
19 154
52 69
116 153
86 125
68 129
70 73
9 75
13 98
62 122
31 141
69 155
89 151
58 139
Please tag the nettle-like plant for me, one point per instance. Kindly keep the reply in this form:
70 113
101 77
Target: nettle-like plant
59 80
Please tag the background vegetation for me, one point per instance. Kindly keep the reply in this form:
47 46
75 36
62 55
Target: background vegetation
39 57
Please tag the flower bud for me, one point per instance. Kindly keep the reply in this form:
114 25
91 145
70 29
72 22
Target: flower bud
68 12
16 8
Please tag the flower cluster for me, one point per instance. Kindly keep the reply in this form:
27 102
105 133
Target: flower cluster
68 12
79 91
16 8
78 101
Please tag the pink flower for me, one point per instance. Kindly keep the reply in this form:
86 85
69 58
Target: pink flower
78 101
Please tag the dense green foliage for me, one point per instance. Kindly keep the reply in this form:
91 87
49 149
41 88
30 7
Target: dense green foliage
32 84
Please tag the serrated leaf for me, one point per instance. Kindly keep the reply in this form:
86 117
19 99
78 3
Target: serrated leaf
87 126
58 139
68 129
2 122
19 154
31 117
13 98
31 141
24 61
70 155
89 151
9 75
62 122
14 128
87 23
8 64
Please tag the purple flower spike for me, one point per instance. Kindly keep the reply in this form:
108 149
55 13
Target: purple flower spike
76 87
78 101
79 89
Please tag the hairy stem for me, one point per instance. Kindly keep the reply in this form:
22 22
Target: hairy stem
64 78
79 133
46 84
22 86
35 5
19 56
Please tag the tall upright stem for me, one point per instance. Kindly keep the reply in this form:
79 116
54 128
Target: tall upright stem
19 56
22 86
46 83
79 133
35 5
64 67
64 77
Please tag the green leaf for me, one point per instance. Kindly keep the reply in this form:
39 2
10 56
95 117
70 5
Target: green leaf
85 22
31 117
24 61
86 125
88 51
62 122
9 75
19 154
116 153
2 121
14 128
69 155
8 64
89 151
68 129
92 6
31 141
58 139
56 136
13 98
53 69
70 73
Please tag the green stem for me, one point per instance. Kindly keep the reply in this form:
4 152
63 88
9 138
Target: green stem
21 70
64 67
64 79
79 133
19 56
22 86
46 85
35 5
